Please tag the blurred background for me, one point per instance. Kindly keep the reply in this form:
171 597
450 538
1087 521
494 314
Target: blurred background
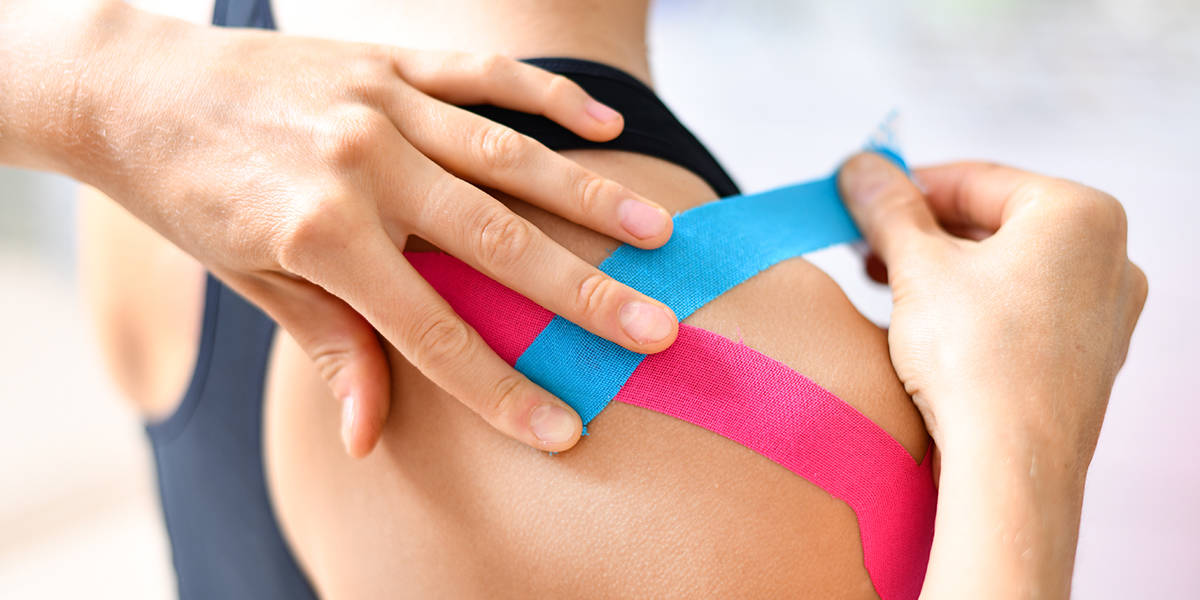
1102 91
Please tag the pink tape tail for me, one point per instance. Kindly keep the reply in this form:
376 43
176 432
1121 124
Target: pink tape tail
754 400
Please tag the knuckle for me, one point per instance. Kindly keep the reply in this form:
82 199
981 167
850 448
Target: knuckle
502 397
350 136
317 226
590 194
1141 285
592 292
1111 212
1045 196
499 148
493 65
366 73
559 87
1085 212
330 360
440 339
503 238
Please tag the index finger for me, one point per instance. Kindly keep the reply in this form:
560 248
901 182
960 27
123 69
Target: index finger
499 157
973 194
465 222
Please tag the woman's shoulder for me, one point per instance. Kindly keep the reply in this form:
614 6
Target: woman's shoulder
793 312
645 498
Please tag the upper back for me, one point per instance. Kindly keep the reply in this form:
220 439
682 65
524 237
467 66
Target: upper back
645 505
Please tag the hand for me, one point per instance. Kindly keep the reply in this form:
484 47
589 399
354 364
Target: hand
1044 301
296 169
1008 340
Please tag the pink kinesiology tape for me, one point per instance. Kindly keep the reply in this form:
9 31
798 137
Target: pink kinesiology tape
754 400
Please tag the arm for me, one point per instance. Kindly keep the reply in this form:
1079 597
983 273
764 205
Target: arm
295 170
1008 520
1009 343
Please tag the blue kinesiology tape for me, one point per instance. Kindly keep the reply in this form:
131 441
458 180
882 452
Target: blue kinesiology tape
714 247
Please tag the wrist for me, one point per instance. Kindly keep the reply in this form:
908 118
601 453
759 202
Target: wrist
45 54
981 422
1037 471
1008 519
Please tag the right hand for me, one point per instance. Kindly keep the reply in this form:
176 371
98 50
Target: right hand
1008 340
1019 328
296 169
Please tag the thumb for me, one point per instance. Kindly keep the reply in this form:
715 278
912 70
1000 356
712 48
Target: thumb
344 348
888 208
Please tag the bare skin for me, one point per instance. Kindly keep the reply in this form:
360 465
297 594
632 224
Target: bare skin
1009 340
646 506
653 507
449 507
278 178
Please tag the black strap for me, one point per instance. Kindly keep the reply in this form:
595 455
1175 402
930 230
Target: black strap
650 127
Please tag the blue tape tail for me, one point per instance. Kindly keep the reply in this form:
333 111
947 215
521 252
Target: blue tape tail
883 140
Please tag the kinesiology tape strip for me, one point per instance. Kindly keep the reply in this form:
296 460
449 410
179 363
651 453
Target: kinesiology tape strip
717 384
713 248
754 400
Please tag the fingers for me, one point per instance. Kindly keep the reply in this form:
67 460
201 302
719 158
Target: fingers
974 196
385 289
889 210
463 78
344 348
495 156
485 234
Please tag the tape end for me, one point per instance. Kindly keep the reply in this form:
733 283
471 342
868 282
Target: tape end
884 141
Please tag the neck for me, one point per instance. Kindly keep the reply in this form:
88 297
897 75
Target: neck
608 31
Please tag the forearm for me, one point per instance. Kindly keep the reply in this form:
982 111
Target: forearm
1008 518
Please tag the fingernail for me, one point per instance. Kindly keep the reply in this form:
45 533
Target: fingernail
646 323
552 424
864 176
642 220
347 420
601 112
